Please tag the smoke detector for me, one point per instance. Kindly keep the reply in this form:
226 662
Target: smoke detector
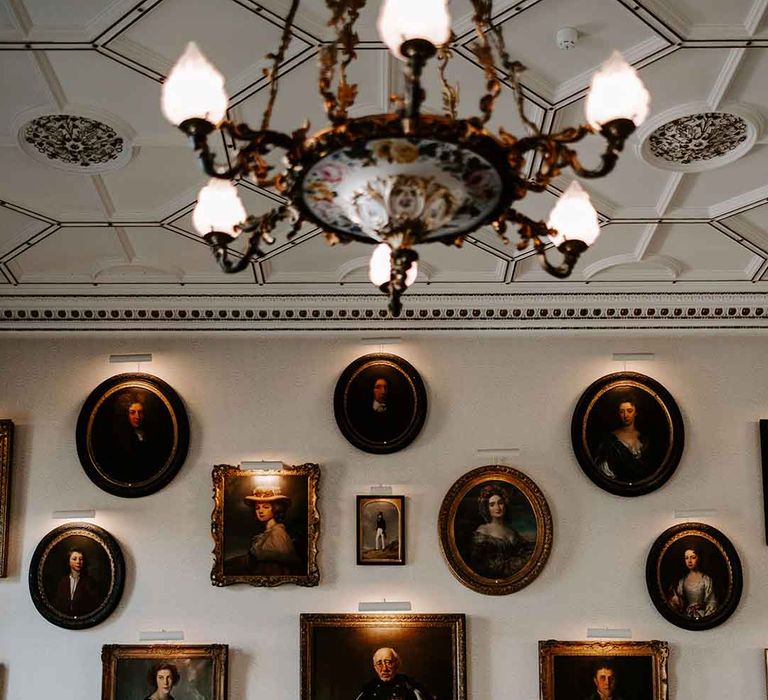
566 38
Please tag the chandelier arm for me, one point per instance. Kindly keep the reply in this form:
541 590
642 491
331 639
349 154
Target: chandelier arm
571 250
449 92
277 58
482 50
260 228
348 38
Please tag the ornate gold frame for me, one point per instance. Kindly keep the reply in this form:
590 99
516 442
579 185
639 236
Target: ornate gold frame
222 472
544 529
111 653
6 452
455 622
551 648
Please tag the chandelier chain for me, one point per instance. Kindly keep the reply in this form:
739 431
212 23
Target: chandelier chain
273 73
450 92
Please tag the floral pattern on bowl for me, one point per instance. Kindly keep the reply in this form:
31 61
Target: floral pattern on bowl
373 187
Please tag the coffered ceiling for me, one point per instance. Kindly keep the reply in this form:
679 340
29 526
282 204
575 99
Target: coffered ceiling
97 189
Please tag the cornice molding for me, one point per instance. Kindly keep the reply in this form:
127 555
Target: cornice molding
423 313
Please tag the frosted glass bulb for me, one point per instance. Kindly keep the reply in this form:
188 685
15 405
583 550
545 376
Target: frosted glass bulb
616 93
194 88
412 274
218 209
573 217
400 20
380 267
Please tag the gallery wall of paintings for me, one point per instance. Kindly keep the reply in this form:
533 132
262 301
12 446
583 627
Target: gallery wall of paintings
516 425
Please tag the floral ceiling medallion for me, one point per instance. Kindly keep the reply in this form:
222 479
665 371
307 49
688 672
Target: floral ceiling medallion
76 142
691 141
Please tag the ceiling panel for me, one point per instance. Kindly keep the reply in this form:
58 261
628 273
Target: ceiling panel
55 193
641 243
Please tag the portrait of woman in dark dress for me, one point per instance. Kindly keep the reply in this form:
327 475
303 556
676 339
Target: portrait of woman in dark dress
496 550
623 453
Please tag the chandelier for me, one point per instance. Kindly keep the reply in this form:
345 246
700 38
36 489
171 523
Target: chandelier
404 178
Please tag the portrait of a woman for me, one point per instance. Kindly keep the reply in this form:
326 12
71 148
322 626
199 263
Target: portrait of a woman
161 678
496 550
272 551
693 595
76 592
623 453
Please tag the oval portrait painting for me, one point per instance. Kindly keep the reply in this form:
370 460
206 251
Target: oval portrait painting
694 576
132 434
380 403
627 433
76 576
495 530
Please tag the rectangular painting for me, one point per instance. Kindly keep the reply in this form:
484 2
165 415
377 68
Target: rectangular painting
265 525
6 452
596 670
367 657
764 452
135 671
381 530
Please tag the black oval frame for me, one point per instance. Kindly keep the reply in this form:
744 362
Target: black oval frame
733 563
117 566
418 397
165 474
581 414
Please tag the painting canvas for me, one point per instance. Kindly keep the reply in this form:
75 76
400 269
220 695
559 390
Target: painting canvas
6 452
367 657
694 578
380 403
132 434
495 530
381 530
265 525
595 670
76 576
627 433
133 672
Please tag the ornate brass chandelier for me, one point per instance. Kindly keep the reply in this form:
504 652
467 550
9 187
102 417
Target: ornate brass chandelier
403 178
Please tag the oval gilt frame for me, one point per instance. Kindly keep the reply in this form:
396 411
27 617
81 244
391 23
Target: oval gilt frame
673 542
56 540
592 409
387 431
171 443
451 547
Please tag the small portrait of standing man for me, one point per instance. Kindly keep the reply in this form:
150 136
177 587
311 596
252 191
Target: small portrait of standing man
389 684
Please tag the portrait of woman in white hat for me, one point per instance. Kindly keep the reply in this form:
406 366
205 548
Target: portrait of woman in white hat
272 551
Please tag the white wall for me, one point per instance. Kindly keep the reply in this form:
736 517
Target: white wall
250 398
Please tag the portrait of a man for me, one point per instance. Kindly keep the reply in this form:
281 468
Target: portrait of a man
76 576
389 683
381 529
380 403
132 434
383 657
603 670
77 573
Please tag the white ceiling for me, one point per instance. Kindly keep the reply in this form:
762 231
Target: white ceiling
100 239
